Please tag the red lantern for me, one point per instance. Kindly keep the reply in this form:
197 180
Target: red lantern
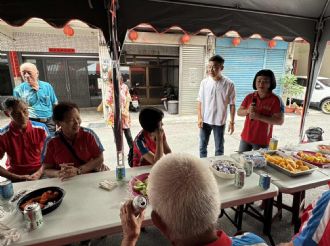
68 31
185 38
236 41
133 35
271 44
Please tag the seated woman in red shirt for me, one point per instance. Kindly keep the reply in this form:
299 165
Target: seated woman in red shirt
74 150
262 109
150 144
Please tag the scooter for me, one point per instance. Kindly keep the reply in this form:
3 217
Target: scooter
134 105
169 94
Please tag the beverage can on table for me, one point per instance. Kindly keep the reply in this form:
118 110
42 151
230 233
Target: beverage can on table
33 216
273 144
248 167
120 173
239 178
264 181
6 189
139 203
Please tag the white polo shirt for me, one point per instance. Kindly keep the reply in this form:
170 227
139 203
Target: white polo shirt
215 96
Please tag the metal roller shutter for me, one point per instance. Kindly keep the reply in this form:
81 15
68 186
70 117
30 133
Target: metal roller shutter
244 61
192 67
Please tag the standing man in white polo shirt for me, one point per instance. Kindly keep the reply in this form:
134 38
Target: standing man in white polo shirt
216 92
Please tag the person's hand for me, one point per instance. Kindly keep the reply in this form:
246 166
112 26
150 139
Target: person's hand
231 128
18 178
130 223
68 170
37 174
254 115
159 133
200 123
251 109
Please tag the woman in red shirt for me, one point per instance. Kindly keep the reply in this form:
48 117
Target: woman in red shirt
262 109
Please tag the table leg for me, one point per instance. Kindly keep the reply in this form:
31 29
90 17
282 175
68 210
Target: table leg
268 216
296 210
239 217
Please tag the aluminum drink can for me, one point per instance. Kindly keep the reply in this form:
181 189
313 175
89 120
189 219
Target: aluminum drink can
120 173
6 189
139 203
239 178
33 216
264 181
273 144
248 167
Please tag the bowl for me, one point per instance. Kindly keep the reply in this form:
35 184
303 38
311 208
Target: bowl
142 177
223 166
56 203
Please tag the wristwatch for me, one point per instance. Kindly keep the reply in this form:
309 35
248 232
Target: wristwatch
79 171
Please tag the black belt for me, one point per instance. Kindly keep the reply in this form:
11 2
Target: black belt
43 120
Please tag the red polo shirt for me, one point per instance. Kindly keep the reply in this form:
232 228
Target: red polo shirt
23 147
255 131
223 240
143 143
86 145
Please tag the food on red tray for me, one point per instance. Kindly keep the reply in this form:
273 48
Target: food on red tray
141 186
313 157
48 196
287 163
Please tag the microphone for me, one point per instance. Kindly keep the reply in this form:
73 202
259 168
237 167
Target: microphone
254 103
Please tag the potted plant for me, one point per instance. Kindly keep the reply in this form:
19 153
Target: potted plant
290 89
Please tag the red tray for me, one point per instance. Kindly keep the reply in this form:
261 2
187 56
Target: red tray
323 165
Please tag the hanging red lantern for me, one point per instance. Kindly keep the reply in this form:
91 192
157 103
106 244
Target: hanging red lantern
68 30
185 38
236 41
133 35
271 44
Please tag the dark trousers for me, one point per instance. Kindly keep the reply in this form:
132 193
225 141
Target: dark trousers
48 122
204 136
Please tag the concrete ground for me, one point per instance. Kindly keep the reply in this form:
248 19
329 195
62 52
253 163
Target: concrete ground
183 136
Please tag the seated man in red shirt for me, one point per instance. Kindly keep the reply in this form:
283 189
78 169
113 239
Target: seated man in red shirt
150 144
185 201
22 140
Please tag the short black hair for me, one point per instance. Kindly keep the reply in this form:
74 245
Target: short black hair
218 59
268 73
62 108
150 117
11 102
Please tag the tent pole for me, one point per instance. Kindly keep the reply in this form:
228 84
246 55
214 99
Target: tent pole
118 133
315 60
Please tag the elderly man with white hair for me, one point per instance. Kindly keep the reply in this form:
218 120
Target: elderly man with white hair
39 96
185 201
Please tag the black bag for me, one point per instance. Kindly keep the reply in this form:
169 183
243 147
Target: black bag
314 134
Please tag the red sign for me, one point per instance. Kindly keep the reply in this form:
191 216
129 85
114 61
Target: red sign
61 50
13 58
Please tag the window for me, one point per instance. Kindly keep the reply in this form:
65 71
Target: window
93 68
302 81
326 82
6 87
